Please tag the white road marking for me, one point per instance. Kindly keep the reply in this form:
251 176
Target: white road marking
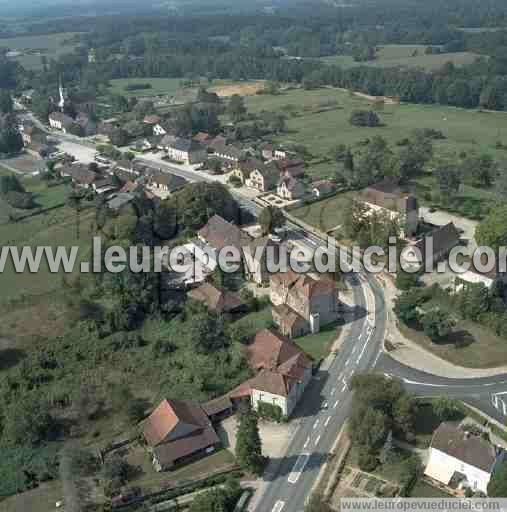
327 421
298 468
344 387
316 424
307 442
347 362
317 440
279 506
336 404
333 391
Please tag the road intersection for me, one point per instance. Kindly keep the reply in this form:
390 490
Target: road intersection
328 399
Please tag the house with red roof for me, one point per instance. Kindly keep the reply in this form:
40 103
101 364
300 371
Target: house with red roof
283 372
178 431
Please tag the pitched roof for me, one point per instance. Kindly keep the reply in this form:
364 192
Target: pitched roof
220 233
171 181
119 200
294 168
387 194
61 117
217 406
80 173
186 145
172 420
444 239
324 186
220 301
229 151
292 184
303 284
152 119
272 351
202 137
471 449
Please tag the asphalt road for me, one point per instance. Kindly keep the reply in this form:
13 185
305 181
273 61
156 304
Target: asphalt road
327 401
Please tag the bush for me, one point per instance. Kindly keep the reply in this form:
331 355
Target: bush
137 87
21 200
269 411
365 118
367 460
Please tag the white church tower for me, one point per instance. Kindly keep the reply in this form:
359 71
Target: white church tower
63 96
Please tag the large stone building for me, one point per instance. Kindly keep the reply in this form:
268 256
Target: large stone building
387 197
302 303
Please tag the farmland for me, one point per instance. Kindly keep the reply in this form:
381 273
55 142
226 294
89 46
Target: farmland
174 87
32 48
412 56
319 120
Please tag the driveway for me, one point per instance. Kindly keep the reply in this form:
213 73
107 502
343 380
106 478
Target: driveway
440 218
275 437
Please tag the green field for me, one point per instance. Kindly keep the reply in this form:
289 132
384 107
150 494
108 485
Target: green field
406 56
34 47
319 120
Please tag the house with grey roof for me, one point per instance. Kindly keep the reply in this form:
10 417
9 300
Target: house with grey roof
187 151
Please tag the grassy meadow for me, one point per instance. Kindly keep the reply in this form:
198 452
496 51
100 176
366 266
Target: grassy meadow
34 47
319 120
409 55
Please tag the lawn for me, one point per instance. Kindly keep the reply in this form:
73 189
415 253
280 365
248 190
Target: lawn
256 320
409 55
319 345
151 481
34 47
471 346
42 499
325 215
313 124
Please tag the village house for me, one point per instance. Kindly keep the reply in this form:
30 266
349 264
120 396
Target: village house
290 189
269 152
152 120
462 460
186 151
303 303
108 126
177 432
322 188
163 184
203 138
103 185
219 233
31 134
432 247
283 373
117 201
219 301
230 155
159 129
60 121
387 197
80 174
263 177
291 168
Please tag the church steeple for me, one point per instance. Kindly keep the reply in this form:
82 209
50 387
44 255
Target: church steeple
61 90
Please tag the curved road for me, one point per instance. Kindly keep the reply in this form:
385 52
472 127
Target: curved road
327 401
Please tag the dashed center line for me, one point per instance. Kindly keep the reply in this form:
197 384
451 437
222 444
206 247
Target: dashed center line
327 421
307 442
336 404
316 424
317 440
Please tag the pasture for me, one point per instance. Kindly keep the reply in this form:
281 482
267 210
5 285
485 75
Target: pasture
410 56
319 120
33 48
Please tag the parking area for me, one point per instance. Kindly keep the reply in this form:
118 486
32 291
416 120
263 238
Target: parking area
83 154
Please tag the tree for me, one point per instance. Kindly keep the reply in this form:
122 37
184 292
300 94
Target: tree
448 179
270 219
492 232
10 139
248 444
236 108
446 408
437 324
316 503
406 280
6 105
497 486
474 300
365 118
